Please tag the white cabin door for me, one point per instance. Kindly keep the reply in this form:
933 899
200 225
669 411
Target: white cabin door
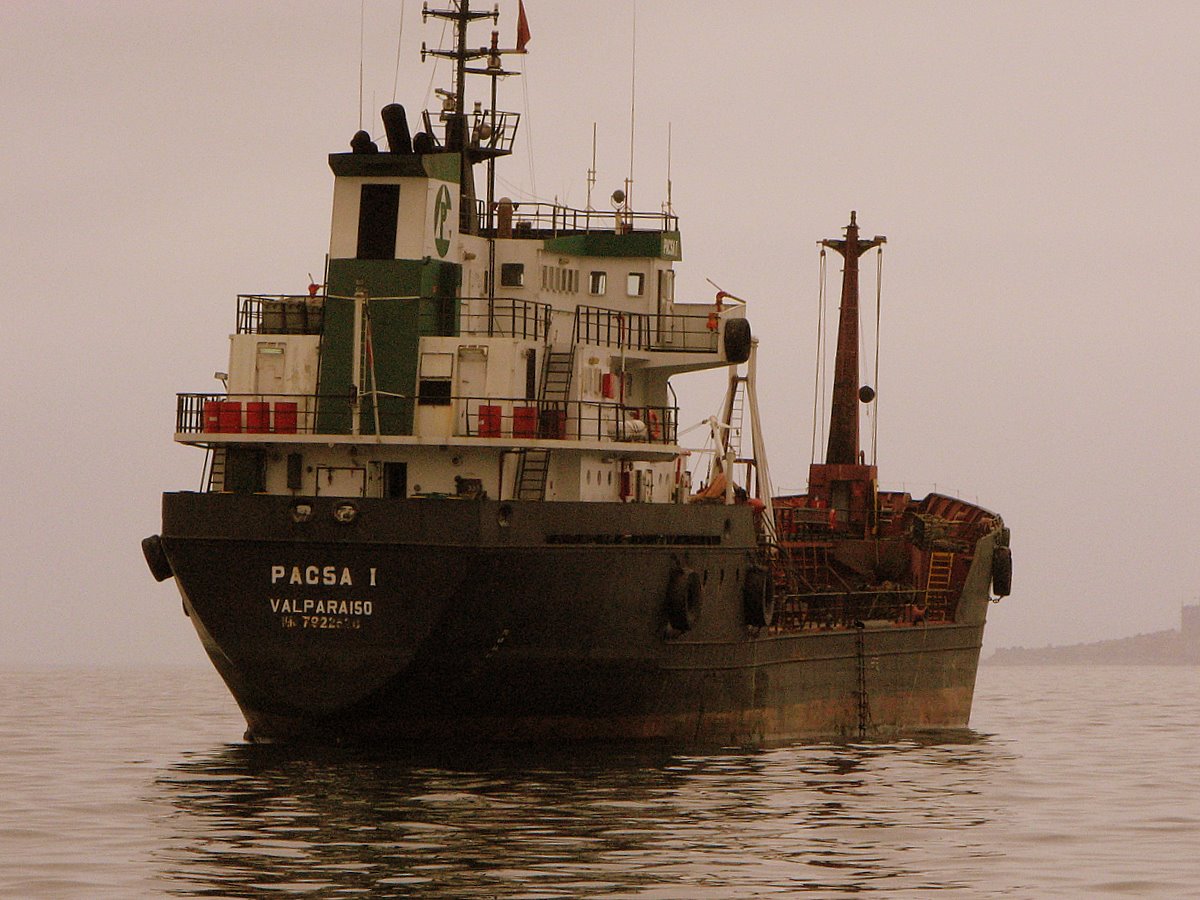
666 306
470 387
269 364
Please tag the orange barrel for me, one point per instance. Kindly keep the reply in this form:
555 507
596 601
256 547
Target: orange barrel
285 417
258 417
489 421
524 421
212 416
230 416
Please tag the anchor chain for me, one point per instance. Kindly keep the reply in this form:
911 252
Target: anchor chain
864 705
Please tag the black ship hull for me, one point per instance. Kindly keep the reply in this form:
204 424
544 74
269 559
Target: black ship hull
480 620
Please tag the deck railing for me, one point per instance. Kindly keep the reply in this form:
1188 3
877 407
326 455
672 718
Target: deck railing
553 219
582 420
647 331
280 314
471 417
832 610
506 317
304 314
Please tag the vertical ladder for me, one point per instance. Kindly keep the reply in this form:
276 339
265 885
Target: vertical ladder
531 474
737 417
937 584
216 470
556 377
811 564
552 408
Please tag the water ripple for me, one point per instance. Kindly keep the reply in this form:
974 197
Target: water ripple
1072 785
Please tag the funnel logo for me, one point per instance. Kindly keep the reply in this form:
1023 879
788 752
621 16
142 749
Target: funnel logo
441 216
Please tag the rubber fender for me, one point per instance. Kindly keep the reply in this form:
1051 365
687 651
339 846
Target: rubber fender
758 596
684 592
156 558
737 340
1001 571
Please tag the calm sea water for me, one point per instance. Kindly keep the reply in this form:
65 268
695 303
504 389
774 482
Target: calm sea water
1073 782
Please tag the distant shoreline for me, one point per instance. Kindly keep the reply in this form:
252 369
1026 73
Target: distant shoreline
1157 648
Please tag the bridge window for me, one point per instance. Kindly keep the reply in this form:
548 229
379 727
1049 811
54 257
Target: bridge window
597 283
635 284
378 211
512 274
434 386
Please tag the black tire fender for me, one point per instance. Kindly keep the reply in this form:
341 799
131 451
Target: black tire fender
758 596
156 558
737 340
1001 571
684 595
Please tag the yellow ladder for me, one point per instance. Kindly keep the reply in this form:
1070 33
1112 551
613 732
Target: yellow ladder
937 584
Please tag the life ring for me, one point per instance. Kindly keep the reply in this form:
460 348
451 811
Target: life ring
758 596
683 599
1001 571
655 424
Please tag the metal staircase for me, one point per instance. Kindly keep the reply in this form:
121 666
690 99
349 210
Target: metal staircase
552 416
216 470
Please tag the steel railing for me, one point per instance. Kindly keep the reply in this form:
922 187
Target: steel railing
280 314
554 219
506 317
473 417
304 314
646 331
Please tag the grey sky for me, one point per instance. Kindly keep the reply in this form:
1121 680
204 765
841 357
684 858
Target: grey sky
1032 164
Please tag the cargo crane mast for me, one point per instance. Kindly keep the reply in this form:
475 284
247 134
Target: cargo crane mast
844 482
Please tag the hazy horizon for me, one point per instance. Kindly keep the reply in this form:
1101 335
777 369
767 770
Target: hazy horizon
1032 165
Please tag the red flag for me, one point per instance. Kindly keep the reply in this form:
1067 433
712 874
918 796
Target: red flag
522 27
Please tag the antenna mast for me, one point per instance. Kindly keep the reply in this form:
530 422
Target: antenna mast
493 131
632 112
591 173
667 207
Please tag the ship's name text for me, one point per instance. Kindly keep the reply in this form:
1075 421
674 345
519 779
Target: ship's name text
326 575
322 607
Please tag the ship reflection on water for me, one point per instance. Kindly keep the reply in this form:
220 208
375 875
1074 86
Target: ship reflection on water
253 820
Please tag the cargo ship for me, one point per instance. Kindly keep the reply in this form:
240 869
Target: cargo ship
445 498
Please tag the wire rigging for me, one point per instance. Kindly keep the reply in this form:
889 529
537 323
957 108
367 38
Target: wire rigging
819 375
362 39
399 40
632 104
878 316
433 71
528 128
